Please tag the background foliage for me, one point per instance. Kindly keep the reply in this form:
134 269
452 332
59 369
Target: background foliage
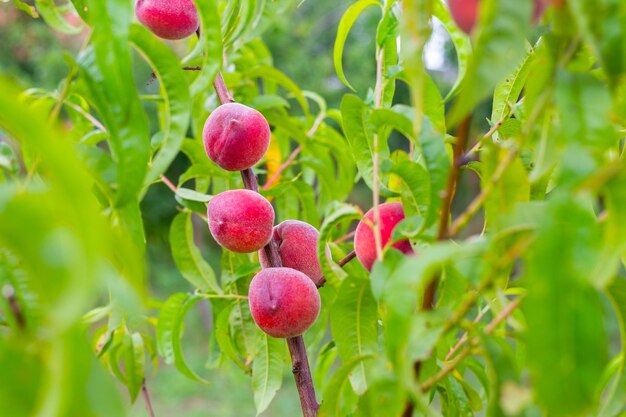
109 277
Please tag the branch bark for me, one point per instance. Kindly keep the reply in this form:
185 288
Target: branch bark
146 398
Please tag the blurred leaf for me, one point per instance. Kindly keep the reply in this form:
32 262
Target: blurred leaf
566 338
614 401
134 363
500 46
54 17
462 44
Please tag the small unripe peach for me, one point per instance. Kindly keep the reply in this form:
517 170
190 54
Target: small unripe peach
297 246
168 19
236 136
364 244
241 220
283 302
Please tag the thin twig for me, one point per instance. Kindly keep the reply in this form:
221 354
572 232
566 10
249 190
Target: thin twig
432 381
350 256
169 183
8 292
460 222
447 197
146 398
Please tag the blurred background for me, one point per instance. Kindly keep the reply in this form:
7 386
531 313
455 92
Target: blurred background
301 42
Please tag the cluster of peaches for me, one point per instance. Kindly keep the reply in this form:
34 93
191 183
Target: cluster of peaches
284 301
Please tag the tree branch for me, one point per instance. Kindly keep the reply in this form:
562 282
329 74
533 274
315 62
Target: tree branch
146 398
8 292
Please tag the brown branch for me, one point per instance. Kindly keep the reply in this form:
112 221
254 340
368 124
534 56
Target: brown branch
146 398
8 292
447 197
297 350
350 256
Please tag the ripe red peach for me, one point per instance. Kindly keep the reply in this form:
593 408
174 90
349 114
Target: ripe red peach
168 19
364 244
240 220
297 246
465 12
236 136
283 302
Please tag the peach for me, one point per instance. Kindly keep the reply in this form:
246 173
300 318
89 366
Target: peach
297 246
465 12
168 19
236 136
241 220
364 244
283 302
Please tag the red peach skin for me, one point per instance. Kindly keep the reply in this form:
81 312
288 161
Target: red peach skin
241 220
168 19
236 136
283 302
364 244
297 246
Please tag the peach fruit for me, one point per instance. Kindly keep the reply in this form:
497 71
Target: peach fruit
297 246
241 220
364 244
236 136
168 19
283 302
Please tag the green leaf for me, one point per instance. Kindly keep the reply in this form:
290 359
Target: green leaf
54 17
27 8
267 370
170 331
614 401
462 44
337 213
345 24
581 122
566 336
353 322
224 338
187 256
511 188
107 70
500 47
210 42
334 391
272 74
134 363
508 91
175 94
355 116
